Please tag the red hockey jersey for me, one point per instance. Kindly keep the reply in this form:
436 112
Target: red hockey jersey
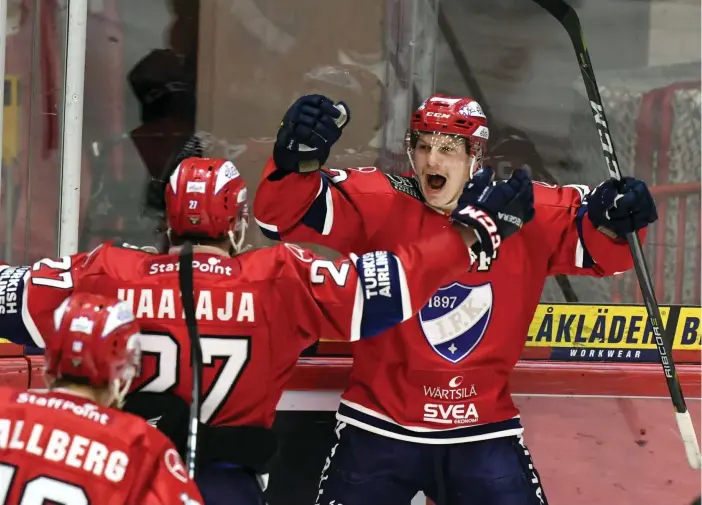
443 376
59 448
256 312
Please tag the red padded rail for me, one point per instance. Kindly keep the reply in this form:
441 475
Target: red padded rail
11 350
529 377
14 366
343 350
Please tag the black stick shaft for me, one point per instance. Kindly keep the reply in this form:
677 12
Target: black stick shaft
187 293
568 18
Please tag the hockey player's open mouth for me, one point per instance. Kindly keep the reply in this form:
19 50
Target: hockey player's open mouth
435 181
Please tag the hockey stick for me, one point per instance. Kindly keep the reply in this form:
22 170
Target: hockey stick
568 18
187 295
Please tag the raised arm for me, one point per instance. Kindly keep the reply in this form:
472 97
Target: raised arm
340 209
361 296
30 294
297 200
584 230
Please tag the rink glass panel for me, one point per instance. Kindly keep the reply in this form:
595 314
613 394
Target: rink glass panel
32 105
159 70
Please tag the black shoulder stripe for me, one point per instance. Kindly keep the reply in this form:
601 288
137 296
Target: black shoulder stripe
316 215
407 185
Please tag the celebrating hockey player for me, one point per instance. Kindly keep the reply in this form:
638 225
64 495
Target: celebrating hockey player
434 390
256 311
71 444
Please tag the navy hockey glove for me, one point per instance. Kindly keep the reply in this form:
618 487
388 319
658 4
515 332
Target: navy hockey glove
309 129
495 211
618 208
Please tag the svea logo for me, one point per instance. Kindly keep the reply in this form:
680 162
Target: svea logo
451 413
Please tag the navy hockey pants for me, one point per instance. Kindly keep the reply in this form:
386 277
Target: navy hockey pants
369 469
225 484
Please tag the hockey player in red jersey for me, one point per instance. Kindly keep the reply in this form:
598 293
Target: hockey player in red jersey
434 391
256 311
71 444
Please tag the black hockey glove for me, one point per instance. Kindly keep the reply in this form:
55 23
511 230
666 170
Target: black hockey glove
495 210
617 208
309 129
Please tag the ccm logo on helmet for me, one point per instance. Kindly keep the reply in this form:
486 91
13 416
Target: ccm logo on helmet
440 115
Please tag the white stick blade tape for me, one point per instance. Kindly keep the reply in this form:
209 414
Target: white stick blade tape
687 432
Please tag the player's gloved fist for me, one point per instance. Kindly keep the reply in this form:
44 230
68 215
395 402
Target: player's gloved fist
495 210
309 129
618 208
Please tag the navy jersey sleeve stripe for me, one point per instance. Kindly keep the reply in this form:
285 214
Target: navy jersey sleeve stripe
12 306
320 215
582 256
270 231
383 295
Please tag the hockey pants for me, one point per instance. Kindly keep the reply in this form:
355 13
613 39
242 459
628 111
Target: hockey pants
225 484
369 469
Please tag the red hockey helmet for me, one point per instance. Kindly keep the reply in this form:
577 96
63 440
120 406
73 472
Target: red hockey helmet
453 116
206 197
96 342
445 144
